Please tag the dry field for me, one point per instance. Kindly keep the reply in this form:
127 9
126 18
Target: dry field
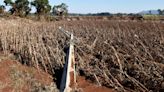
124 55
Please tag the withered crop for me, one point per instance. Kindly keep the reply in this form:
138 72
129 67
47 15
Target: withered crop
125 55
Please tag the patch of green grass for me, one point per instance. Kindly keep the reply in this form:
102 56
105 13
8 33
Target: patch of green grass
153 17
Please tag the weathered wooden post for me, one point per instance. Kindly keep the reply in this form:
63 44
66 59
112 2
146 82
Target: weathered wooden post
68 69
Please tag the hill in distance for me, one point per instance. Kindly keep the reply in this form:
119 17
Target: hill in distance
155 12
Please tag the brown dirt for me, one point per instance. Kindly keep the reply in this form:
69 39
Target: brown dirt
72 84
16 77
88 86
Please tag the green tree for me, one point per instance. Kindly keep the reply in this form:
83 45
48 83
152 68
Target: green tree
150 12
2 9
8 2
19 7
160 12
11 4
60 10
42 6
22 7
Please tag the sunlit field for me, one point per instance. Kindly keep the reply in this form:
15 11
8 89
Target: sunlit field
126 56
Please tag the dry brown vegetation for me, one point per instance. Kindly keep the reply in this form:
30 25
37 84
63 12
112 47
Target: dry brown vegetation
124 55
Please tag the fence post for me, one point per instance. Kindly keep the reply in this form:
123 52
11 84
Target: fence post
70 59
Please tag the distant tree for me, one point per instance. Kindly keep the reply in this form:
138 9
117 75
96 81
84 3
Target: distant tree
102 14
42 6
60 10
19 7
119 14
22 7
2 9
11 4
150 12
8 2
160 12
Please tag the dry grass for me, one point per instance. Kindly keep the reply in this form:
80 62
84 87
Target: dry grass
123 55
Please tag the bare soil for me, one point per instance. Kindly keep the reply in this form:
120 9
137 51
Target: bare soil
16 77
88 86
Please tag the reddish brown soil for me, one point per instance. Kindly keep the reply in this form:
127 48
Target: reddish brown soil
6 80
72 84
87 86
4 68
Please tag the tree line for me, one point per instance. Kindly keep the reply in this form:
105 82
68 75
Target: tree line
160 12
23 7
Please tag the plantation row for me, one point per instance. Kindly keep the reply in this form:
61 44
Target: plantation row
127 56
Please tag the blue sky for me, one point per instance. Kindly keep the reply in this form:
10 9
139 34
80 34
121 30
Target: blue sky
113 6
